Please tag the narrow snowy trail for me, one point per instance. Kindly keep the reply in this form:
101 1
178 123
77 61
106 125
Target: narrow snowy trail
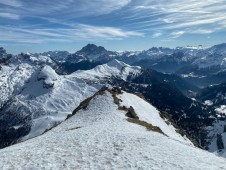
100 137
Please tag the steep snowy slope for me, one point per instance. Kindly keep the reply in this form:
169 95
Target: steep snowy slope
16 74
150 114
52 105
113 68
31 89
101 136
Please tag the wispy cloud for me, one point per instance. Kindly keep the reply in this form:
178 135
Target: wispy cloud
157 34
177 34
9 15
87 31
78 32
177 14
13 3
76 20
66 8
202 31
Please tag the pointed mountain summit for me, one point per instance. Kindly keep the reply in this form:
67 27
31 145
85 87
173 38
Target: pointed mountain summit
91 49
112 69
96 53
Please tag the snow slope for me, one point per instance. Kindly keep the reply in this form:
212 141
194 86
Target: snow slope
114 68
150 114
30 86
100 137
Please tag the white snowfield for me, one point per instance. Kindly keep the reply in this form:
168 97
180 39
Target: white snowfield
33 85
36 89
100 137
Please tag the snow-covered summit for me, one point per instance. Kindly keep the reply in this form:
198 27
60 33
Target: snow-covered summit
113 68
30 87
102 136
48 75
120 64
31 90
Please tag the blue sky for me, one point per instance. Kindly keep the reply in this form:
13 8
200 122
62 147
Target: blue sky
41 25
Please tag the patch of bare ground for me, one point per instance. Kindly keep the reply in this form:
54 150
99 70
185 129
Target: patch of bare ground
147 125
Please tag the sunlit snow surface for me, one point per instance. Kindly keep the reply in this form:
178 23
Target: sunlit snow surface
100 137
114 68
34 88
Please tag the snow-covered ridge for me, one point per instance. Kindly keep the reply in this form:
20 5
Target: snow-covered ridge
31 87
100 137
113 68
149 113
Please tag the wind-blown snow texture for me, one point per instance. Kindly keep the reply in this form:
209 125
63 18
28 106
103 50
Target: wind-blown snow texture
100 137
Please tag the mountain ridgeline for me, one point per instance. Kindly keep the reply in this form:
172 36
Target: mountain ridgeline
201 66
178 82
112 129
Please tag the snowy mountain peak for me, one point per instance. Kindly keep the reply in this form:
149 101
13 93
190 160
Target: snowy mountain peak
48 75
54 97
118 64
113 68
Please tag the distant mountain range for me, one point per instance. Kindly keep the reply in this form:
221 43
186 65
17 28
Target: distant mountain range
186 84
200 65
